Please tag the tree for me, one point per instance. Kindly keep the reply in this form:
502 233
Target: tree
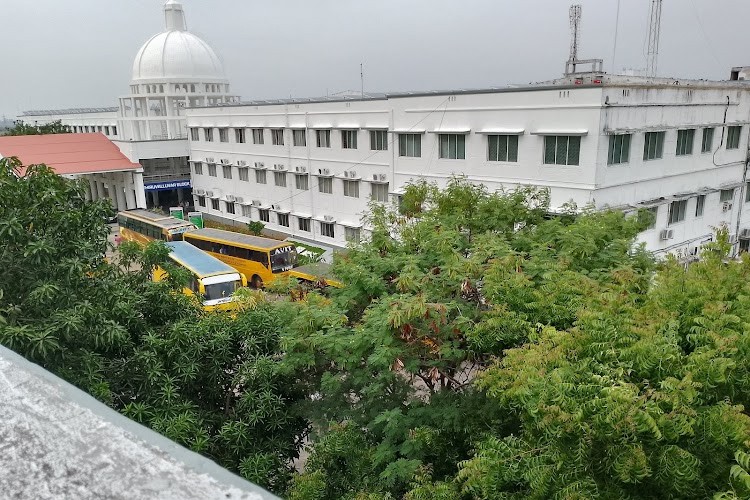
255 227
21 128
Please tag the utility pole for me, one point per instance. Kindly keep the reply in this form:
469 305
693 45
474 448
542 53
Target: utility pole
362 79
654 33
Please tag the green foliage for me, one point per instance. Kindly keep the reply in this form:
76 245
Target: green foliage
255 227
21 128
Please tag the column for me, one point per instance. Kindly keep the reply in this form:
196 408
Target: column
155 197
129 191
87 190
140 192
122 204
100 193
180 195
94 191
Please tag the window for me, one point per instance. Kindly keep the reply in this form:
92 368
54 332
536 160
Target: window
230 207
208 134
323 138
653 146
194 134
198 167
279 178
264 215
349 139
212 169
410 145
700 202
562 150
244 176
379 192
214 203
619 149
223 135
301 181
114 130
726 195
303 224
747 192
453 146
247 211
351 234
277 136
502 148
260 176
325 185
733 137
351 189
201 201
328 229
282 219
257 136
685 142
106 129
379 140
239 135
299 138
708 140
677 211
227 171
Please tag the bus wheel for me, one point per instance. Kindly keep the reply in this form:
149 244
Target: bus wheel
256 282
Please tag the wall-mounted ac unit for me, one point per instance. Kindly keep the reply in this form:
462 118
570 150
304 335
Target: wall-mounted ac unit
256 203
230 197
210 160
328 218
275 207
726 206
278 167
224 161
259 164
242 163
300 170
200 192
666 234
324 171
382 177
209 194
350 174
239 199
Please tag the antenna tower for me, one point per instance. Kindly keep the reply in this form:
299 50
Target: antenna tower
575 31
654 33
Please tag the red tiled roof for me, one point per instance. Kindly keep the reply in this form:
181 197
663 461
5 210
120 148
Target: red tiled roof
67 153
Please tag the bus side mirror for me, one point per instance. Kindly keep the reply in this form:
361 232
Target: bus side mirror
244 280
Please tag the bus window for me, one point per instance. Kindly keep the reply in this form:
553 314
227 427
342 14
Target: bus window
221 290
283 259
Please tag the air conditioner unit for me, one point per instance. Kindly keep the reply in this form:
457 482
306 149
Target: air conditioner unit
210 160
239 199
300 170
242 163
745 234
328 218
256 203
230 197
375 177
382 177
259 164
200 192
726 206
224 161
666 234
352 174
324 171
209 194
278 167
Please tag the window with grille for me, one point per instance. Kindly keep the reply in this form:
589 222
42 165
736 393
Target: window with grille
257 136
619 149
282 219
726 195
214 203
198 167
212 169
677 210
299 138
194 136
244 174
328 229
733 137
239 135
700 203
323 138
685 142
260 176
227 171
201 201
223 135
247 211
653 145
351 189
301 181
208 134
379 140
562 149
230 207
410 145
325 185
264 215
279 178
277 136
303 224
349 139
452 146
352 234
502 148
707 143
379 192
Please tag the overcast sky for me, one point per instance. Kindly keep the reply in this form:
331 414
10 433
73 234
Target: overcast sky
79 53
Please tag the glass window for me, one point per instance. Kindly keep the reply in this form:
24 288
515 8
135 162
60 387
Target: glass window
212 169
208 134
303 224
230 207
198 167
282 219
708 140
194 134
323 138
223 135
244 175
247 211
726 195
328 229
410 145
502 148
227 171
733 137
279 178
677 210
352 234
239 135
379 140
257 136
277 136
325 185
301 181
349 139
299 137
747 192
260 176
653 146
453 146
201 201
351 189
379 192
214 203
619 149
700 203
685 142
562 150
264 215
114 130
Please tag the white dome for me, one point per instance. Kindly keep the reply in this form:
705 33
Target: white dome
176 54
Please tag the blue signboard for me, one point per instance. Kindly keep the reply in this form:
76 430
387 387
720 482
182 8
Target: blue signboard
163 186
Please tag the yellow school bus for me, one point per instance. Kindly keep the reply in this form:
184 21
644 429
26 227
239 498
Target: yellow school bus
212 280
144 226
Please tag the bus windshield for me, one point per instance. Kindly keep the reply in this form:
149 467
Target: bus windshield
223 290
283 259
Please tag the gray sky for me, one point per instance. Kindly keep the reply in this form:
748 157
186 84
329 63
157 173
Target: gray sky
78 53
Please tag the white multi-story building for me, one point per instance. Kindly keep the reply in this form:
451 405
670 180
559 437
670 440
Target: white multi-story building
309 168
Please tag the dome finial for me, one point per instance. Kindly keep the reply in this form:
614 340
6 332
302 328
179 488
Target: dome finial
174 16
